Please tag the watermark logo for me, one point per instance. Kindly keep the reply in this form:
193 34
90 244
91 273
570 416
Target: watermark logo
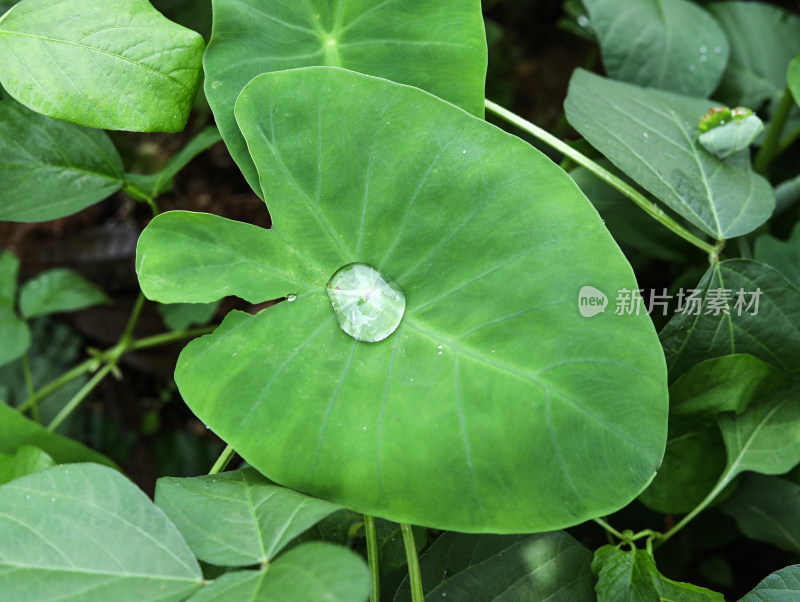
591 301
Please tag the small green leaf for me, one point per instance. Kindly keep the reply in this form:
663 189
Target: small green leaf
52 168
58 290
237 518
84 531
179 316
764 39
731 135
633 126
767 508
631 576
464 568
9 271
784 256
17 431
669 44
308 573
437 46
780 586
116 65
771 333
26 460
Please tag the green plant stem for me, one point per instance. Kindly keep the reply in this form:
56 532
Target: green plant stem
79 397
168 337
414 577
648 207
223 460
608 528
372 558
723 482
768 150
28 376
53 386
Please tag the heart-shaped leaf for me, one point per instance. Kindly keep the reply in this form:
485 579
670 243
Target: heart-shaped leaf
437 46
84 531
466 416
651 135
237 518
669 44
117 64
51 168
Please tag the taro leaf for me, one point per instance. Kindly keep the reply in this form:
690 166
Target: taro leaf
724 384
765 39
771 334
148 186
793 78
26 460
84 531
50 168
669 44
14 334
9 271
58 290
549 566
237 518
17 431
682 482
179 316
117 64
632 576
437 46
780 586
456 420
784 256
767 508
308 573
651 135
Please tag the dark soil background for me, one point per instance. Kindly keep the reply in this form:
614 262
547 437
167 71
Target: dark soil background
140 420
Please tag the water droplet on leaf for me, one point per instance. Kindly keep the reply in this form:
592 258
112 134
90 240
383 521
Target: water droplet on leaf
368 305
291 297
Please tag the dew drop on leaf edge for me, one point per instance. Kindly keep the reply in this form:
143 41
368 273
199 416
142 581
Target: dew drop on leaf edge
367 303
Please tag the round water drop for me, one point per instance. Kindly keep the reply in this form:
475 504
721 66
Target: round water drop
368 305
291 297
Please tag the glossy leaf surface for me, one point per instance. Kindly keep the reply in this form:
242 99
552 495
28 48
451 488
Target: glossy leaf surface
771 334
308 573
117 65
669 44
237 518
549 566
437 46
51 168
85 532
58 290
651 136
465 417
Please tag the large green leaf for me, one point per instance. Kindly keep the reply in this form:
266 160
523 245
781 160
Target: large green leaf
780 586
58 290
466 417
549 566
437 46
784 256
669 44
767 508
312 572
17 431
651 135
51 168
117 64
771 334
764 38
85 532
237 518
632 576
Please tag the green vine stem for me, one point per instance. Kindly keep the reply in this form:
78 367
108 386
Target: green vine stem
609 529
648 207
79 396
223 460
414 576
29 387
769 150
372 558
